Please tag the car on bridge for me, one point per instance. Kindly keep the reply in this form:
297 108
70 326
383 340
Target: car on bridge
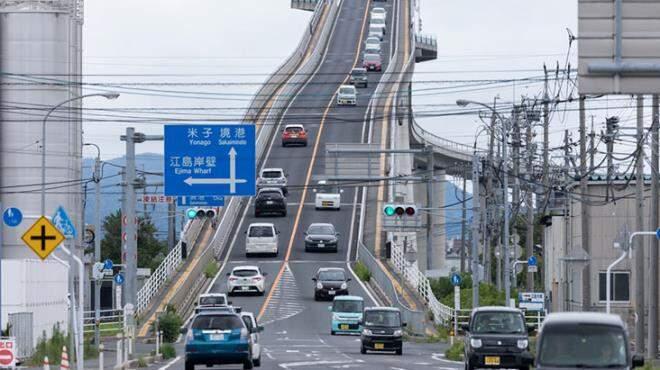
378 12
347 95
294 135
372 62
328 195
496 337
373 49
218 338
321 237
378 22
376 31
330 282
246 279
359 77
270 201
272 178
382 330
251 323
346 315
262 238
372 42
211 300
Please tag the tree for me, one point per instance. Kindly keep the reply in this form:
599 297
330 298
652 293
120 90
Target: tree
151 251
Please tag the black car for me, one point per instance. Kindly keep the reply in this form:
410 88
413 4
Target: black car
584 340
382 330
330 282
497 337
321 237
270 201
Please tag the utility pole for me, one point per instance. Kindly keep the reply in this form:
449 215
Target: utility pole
463 222
516 143
171 225
592 147
489 195
639 248
129 247
584 208
529 240
97 246
505 194
475 230
500 239
430 196
655 222
545 191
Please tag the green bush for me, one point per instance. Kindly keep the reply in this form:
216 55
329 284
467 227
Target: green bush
168 351
170 324
362 272
455 352
51 347
211 269
141 362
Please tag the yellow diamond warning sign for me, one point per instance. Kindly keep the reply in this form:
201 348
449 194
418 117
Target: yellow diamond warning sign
43 237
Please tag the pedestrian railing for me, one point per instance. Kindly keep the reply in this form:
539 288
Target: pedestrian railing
110 321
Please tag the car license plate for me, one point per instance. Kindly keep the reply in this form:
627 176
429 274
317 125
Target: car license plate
371 67
217 337
294 136
492 360
379 346
321 245
269 202
245 288
343 327
331 292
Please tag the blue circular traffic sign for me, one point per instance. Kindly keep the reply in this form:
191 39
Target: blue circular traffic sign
532 261
12 216
455 279
119 279
107 264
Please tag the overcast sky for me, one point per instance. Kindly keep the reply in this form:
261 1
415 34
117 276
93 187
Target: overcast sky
211 41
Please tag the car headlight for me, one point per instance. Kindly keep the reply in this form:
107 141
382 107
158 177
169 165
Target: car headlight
335 317
366 332
475 343
344 286
319 285
523 343
398 333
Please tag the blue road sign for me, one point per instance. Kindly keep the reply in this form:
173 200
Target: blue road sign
107 264
210 160
657 233
119 279
12 216
455 279
201 201
532 261
63 223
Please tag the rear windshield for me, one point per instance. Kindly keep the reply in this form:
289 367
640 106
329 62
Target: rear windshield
261 232
271 193
217 322
219 300
332 276
583 346
347 306
373 40
346 90
271 174
375 29
321 230
382 318
498 323
372 57
378 11
377 21
245 273
294 130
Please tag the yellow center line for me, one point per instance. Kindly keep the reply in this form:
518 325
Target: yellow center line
308 177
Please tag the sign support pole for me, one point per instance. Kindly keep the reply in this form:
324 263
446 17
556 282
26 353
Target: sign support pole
72 312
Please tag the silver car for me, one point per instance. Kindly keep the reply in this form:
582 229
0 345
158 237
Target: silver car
272 178
347 95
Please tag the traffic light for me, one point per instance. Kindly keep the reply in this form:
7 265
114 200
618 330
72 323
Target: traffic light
192 213
400 210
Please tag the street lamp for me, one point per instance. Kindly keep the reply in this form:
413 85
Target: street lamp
109 96
505 185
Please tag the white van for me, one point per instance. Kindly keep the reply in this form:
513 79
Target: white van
376 31
328 196
261 238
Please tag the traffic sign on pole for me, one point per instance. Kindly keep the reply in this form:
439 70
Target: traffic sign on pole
43 237
12 216
63 223
7 352
210 160
201 201
119 279
657 233
532 264
455 279
107 264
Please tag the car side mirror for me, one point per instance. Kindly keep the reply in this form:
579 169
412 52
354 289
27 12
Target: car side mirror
330 308
305 233
637 360
465 328
229 273
229 303
195 304
245 232
183 330
260 329
405 324
349 279
265 274
531 330
341 190
314 279
527 359
277 232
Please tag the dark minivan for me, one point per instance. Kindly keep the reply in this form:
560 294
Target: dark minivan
382 330
497 337
579 340
270 201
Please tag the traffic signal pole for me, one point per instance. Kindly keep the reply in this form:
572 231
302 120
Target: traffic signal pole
430 198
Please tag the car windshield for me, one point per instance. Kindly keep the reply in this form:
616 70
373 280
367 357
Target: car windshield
294 130
375 29
373 41
358 73
217 322
208 301
346 91
379 11
347 306
271 174
261 232
382 318
498 323
582 346
321 230
245 273
372 57
332 276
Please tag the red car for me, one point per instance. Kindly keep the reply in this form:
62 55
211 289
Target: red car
294 135
372 62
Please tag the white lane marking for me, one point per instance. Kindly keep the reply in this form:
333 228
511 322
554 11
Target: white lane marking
290 365
286 301
170 363
269 355
292 351
441 357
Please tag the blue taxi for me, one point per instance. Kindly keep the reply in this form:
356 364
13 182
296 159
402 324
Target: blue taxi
346 314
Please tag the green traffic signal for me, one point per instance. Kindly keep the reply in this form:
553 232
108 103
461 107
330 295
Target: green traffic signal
191 213
389 211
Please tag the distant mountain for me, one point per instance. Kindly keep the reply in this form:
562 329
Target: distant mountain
111 189
453 213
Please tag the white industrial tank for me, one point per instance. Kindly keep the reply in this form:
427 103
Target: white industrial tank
40 65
